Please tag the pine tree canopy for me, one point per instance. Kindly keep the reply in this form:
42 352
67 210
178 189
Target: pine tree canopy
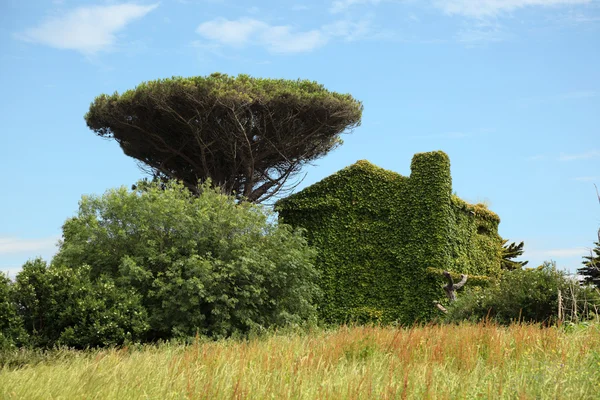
249 136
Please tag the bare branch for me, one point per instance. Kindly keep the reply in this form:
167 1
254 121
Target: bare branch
451 288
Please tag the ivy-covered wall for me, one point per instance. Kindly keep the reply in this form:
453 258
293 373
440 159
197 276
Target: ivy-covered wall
380 235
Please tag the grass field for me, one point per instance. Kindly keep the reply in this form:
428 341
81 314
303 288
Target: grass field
437 362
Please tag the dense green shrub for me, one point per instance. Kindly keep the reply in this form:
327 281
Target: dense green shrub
202 264
378 233
527 295
12 332
64 306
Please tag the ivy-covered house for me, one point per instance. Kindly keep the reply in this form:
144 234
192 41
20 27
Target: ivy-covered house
383 238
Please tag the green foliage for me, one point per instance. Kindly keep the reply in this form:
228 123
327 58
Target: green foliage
249 135
12 332
202 264
378 232
591 269
64 306
509 252
526 295
474 241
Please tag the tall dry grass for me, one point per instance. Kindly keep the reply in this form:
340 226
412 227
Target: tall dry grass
437 362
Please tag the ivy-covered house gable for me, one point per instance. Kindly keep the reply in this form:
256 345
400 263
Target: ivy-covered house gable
380 234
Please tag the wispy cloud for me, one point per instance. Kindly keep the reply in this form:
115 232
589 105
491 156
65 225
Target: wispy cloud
581 18
570 252
279 38
580 156
339 6
348 30
491 8
13 245
86 29
579 94
587 178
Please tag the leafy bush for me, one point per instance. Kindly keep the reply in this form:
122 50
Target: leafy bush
528 295
63 306
12 332
202 264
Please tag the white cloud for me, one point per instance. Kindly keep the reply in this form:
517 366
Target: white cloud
587 178
571 252
233 33
580 156
13 245
580 18
86 29
279 38
490 8
342 5
580 94
349 30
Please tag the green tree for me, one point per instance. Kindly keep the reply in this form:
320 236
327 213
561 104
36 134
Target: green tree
64 306
203 264
591 269
509 253
248 135
12 332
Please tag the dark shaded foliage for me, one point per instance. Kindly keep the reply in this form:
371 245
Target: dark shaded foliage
248 135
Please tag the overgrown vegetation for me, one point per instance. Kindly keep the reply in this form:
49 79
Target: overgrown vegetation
378 234
12 333
542 294
147 278
158 263
435 361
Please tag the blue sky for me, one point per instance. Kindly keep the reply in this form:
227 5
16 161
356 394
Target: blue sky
510 89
